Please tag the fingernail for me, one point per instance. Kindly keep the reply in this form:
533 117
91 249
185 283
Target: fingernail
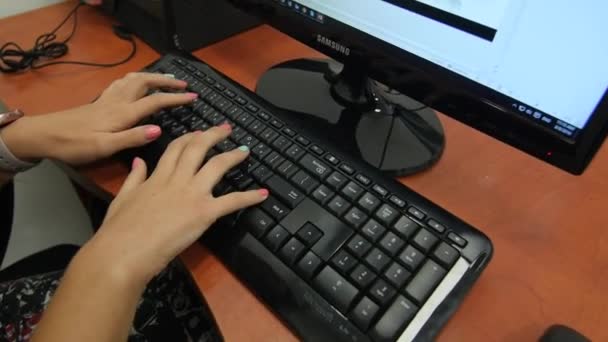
169 75
152 132
264 192
136 162
244 148
192 96
225 126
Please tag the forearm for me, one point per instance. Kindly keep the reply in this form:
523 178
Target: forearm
95 302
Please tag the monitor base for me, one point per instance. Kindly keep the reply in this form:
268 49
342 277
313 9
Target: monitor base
388 130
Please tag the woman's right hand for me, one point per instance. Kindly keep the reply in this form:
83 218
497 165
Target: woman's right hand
154 219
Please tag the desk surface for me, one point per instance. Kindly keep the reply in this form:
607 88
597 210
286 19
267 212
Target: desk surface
548 227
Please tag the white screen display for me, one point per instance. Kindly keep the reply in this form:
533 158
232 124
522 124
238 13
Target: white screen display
548 54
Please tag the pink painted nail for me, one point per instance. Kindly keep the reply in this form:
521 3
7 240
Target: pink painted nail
264 192
136 163
225 126
152 132
192 96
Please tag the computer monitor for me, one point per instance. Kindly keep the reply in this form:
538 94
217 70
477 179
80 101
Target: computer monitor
530 73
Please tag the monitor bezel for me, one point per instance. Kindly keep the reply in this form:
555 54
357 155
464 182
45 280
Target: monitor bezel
473 104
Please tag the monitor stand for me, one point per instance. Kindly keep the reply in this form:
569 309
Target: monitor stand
390 131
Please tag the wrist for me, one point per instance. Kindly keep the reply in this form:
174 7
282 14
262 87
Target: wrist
96 264
24 139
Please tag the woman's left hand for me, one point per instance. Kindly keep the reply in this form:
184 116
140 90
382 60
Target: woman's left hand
99 129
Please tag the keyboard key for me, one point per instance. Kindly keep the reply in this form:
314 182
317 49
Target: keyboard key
380 190
417 213
277 124
332 159
212 97
364 313
289 132
369 202
230 93
303 141
223 105
281 143
362 276
336 180
457 239
292 251
363 179
284 191
382 292
258 222
397 275
377 260
359 246
226 146
338 205
337 290
405 227
425 281
275 208
275 238
238 133
322 194
347 169
216 118
274 160
257 127
313 165
411 257
355 217
309 234
425 240
373 230
264 116
343 262
391 244
387 214
210 80
309 265
250 141
261 151
305 182
295 152
394 320
352 191
245 120
317 150
438 227
262 173
234 112
397 201
250 165
241 101
287 169
446 255
252 108
269 135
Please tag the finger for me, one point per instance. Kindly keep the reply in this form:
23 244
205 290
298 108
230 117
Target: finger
142 82
194 154
133 137
155 102
236 201
138 175
218 166
168 161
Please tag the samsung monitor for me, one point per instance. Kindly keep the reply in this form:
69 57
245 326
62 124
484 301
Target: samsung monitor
533 74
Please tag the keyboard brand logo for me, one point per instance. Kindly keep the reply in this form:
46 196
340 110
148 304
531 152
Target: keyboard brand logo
333 45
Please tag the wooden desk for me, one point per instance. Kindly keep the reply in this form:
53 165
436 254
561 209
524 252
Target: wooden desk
548 227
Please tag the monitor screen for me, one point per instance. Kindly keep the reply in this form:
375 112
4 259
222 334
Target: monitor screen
547 60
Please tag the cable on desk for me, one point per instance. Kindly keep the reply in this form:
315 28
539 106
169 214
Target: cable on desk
13 58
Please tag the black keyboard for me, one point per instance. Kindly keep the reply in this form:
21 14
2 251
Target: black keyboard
339 251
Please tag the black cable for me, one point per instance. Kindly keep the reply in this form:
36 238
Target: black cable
14 59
